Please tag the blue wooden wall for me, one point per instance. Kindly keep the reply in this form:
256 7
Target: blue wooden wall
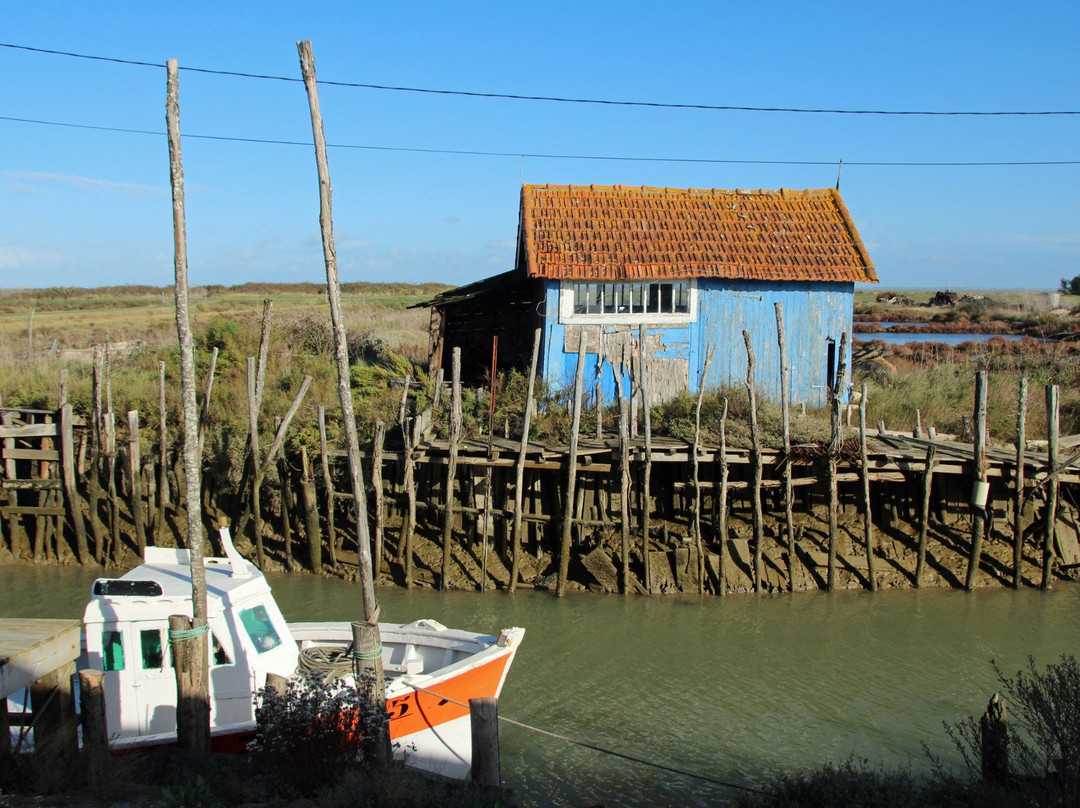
813 314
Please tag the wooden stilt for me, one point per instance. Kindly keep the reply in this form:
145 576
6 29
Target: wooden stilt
311 512
134 469
451 467
785 422
571 474
74 501
646 484
755 439
256 479
377 488
722 509
978 521
624 478
1053 415
835 445
697 471
1018 493
328 485
163 461
924 519
519 466
864 465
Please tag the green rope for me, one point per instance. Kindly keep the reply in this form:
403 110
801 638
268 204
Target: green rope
375 653
188 633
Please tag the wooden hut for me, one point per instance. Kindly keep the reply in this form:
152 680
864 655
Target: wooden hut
685 270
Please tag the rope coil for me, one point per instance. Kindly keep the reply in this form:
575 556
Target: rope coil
374 653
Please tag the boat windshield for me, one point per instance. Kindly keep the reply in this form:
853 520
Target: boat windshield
257 624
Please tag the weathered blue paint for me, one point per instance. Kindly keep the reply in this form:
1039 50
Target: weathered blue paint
814 313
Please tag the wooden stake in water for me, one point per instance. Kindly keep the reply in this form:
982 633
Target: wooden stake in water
722 510
755 439
924 521
978 521
785 422
1018 494
1053 415
451 467
646 486
697 471
519 466
864 465
571 474
835 445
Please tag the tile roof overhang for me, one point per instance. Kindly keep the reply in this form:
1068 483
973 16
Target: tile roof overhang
587 232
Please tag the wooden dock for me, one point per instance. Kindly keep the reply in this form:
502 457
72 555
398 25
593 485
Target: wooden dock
31 649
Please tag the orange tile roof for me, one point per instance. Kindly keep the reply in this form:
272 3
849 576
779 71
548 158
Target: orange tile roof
615 232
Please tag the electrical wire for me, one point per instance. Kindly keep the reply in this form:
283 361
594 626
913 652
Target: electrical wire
552 156
560 99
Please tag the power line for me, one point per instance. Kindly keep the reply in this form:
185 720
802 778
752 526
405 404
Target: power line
551 156
562 99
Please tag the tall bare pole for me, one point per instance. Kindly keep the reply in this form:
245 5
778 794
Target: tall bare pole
519 466
193 714
379 744
785 421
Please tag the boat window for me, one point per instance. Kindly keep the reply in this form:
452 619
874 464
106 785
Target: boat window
112 651
152 652
257 623
221 656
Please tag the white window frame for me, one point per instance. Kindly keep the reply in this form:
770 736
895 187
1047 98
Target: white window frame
567 314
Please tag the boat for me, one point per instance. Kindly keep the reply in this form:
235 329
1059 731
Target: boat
431 671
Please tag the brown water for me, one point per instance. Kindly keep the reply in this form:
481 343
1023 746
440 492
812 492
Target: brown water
733 688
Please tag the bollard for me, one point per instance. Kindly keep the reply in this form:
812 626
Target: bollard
484 720
95 734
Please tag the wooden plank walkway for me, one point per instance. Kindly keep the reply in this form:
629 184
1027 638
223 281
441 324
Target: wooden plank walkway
33 648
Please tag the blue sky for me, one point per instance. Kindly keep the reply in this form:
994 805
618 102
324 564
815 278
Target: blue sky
80 207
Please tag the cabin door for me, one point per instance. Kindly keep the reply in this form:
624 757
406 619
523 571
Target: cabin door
153 677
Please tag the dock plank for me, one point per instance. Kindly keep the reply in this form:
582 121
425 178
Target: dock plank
31 648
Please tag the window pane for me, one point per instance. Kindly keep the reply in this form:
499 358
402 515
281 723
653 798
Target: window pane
682 298
639 298
152 656
581 298
624 290
112 651
666 298
609 298
259 628
654 298
595 293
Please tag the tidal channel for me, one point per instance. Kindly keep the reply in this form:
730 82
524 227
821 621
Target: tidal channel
734 688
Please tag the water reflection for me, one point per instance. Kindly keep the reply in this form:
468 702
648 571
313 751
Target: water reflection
733 688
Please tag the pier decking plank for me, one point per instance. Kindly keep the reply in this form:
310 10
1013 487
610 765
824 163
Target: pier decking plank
32 648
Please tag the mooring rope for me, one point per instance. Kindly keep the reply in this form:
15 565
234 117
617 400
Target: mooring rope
595 748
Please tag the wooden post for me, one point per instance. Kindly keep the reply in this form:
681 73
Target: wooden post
55 722
192 677
311 512
864 464
697 471
264 350
519 466
286 505
835 445
138 514
1053 415
253 442
377 487
487 526
114 500
484 722
1018 494
978 521
95 734
451 467
74 501
785 422
94 480
646 486
204 414
328 485
405 551
571 474
163 461
368 670
624 477
721 522
341 350
924 520
755 439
